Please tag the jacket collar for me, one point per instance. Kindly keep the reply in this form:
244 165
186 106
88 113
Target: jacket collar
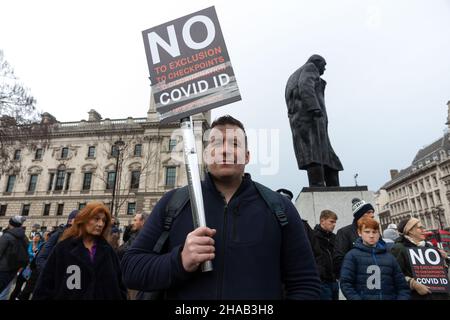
322 231
245 184
17 232
80 252
380 247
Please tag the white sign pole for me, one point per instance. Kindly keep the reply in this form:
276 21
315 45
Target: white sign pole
194 184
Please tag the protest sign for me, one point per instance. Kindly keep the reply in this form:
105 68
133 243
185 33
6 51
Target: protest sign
190 70
428 268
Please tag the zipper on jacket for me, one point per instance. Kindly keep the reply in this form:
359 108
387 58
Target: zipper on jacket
222 270
235 216
376 262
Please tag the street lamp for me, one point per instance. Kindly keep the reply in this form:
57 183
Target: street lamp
437 214
118 144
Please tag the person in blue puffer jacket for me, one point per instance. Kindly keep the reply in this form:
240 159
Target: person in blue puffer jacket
369 271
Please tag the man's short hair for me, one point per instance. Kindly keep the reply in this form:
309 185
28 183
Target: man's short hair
227 119
327 214
144 215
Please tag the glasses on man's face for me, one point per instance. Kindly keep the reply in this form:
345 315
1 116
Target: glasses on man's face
421 227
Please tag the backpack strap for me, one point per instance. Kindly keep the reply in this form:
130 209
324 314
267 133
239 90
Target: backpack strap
175 205
181 197
273 201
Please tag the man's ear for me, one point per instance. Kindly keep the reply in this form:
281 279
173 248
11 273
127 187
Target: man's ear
247 157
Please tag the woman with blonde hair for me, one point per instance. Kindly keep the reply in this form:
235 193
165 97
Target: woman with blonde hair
83 266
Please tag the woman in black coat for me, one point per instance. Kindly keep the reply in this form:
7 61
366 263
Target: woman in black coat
83 266
413 236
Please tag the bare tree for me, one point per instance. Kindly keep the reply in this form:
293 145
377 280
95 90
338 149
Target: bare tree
126 157
20 122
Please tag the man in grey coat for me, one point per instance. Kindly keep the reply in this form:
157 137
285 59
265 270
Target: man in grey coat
309 124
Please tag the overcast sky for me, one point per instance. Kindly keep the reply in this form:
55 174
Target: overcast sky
388 69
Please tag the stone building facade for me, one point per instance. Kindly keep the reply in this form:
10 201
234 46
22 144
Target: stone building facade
422 190
77 164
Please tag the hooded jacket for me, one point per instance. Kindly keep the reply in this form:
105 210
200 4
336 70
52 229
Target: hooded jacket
360 270
10 235
254 254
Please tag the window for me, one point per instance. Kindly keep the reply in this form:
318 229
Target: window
50 183
110 180
64 152
172 144
47 207
60 179
25 209
10 184
32 184
68 180
170 176
3 208
17 155
131 208
434 181
59 211
138 150
91 152
438 197
81 205
38 154
135 175
87 180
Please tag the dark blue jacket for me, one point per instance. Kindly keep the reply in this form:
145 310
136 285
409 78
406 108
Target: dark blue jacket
46 250
99 280
355 273
253 253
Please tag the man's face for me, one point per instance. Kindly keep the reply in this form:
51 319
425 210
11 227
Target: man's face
226 154
369 214
328 224
138 222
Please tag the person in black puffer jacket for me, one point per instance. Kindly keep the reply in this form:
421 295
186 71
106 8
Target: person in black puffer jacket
368 271
347 235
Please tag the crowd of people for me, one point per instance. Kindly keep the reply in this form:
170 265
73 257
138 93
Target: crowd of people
259 246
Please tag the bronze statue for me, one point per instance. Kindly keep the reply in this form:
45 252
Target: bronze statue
309 124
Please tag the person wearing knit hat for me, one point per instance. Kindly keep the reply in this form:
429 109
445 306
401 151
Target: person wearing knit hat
347 235
360 208
13 250
412 235
17 221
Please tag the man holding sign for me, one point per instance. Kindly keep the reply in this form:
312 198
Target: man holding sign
254 251
228 237
423 265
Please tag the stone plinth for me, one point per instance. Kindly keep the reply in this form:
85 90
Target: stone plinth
311 201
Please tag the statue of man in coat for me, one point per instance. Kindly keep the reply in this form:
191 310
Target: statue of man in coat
307 114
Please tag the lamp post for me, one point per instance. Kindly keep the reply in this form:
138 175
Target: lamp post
118 144
437 213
